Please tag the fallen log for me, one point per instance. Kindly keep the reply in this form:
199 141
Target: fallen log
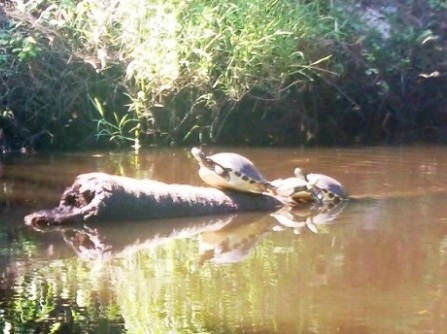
100 196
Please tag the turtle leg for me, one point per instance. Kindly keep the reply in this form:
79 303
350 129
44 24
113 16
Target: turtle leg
220 170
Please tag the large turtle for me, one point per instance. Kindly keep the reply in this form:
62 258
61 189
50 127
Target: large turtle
231 171
307 188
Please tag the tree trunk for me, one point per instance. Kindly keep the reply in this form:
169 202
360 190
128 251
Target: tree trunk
102 196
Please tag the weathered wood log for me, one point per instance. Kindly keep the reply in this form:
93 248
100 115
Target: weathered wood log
100 196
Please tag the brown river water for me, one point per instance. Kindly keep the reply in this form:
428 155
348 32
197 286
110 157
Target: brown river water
376 264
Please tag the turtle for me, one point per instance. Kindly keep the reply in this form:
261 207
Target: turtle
296 188
228 170
308 188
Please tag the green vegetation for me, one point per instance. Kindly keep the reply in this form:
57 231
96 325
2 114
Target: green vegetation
61 297
82 72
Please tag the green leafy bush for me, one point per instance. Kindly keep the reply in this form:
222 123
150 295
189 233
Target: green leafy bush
260 72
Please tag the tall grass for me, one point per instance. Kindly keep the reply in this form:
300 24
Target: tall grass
185 65
203 55
175 71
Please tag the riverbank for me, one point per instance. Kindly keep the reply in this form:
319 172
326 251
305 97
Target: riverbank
121 73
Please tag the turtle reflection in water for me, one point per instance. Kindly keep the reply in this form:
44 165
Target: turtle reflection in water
309 188
315 218
235 241
231 171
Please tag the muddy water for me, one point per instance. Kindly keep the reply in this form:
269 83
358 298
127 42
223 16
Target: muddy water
375 265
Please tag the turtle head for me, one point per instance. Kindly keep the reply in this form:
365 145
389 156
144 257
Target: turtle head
300 173
210 164
199 155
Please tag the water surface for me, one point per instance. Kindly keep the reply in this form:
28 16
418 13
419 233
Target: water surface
376 265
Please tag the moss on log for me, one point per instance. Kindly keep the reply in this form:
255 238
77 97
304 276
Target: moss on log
100 196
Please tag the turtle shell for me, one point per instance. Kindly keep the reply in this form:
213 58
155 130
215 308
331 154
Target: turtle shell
232 171
326 188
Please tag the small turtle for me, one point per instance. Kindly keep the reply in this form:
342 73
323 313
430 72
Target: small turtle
306 188
296 188
231 171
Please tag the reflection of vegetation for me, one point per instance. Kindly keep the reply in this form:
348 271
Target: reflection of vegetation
61 296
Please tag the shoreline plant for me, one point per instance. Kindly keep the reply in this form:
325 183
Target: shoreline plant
77 73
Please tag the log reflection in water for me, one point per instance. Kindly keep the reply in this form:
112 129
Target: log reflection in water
221 239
